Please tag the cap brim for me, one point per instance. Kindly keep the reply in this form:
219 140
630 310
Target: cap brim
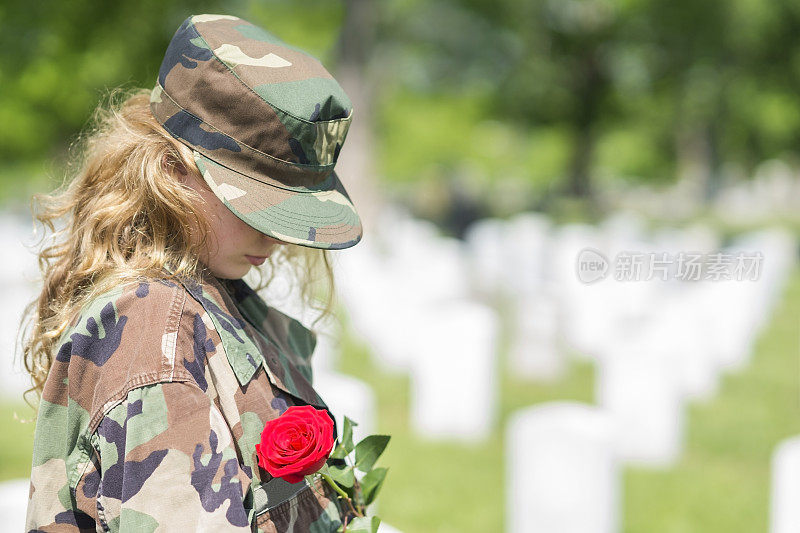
314 218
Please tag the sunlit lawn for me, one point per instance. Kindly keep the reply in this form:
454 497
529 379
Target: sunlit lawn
720 485
16 440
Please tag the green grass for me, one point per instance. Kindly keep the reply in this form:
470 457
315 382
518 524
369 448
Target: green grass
16 440
720 485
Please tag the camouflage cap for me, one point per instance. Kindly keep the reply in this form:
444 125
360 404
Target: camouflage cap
265 122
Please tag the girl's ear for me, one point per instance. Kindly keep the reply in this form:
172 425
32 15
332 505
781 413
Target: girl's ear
174 167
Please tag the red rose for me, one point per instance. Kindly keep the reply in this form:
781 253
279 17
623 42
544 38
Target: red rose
297 443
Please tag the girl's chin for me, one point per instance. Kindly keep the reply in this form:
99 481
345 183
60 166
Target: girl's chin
231 271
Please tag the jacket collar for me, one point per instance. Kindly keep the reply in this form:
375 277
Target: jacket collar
286 344
242 352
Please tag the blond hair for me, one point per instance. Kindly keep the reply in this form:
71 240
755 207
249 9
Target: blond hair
123 218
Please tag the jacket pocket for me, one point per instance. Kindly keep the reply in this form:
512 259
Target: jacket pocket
313 508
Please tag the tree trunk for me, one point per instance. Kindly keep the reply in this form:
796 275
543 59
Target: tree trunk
589 90
356 165
580 165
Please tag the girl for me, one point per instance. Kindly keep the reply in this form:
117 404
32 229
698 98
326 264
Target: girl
156 364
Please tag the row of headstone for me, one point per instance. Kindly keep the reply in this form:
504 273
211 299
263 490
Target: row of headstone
656 346
774 191
635 329
629 327
692 333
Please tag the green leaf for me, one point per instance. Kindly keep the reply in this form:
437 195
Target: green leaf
371 484
342 475
339 452
347 434
368 451
364 524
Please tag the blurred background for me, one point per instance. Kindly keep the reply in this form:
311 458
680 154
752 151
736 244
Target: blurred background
512 161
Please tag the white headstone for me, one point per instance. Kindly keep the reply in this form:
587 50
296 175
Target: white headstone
784 514
586 316
527 245
562 475
677 331
591 316
534 351
454 376
14 379
644 392
350 397
18 242
433 268
385 324
567 242
778 250
731 321
376 307
485 243
14 504
19 286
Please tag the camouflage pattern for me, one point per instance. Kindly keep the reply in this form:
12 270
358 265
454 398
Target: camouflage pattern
265 122
150 415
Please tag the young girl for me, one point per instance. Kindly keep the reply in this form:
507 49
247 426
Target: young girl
157 365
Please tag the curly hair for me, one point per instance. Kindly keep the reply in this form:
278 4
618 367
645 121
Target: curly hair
121 216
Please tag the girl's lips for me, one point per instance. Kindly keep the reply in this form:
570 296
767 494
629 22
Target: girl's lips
255 260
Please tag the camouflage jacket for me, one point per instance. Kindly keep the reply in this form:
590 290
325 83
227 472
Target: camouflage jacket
156 398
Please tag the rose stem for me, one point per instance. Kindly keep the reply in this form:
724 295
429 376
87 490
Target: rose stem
343 494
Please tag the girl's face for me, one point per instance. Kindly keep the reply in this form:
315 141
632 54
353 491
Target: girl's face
231 240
